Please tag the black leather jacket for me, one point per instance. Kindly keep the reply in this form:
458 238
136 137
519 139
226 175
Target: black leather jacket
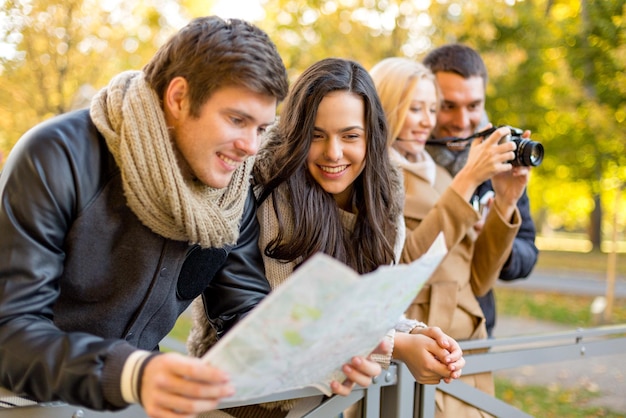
83 283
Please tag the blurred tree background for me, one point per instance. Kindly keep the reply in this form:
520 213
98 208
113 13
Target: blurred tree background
557 67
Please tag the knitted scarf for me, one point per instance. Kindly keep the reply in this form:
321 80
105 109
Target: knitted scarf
453 161
128 114
425 168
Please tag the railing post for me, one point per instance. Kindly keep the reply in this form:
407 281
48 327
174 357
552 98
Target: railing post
425 402
398 401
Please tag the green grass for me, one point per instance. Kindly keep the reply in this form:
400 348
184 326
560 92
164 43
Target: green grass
554 307
560 308
594 261
545 402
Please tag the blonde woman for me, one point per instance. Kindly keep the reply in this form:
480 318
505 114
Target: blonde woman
436 202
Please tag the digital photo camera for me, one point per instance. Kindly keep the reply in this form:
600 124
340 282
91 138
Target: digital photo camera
528 153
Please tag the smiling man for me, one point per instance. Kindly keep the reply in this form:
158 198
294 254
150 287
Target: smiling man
462 78
115 218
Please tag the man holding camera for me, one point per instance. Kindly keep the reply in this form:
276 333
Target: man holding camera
462 78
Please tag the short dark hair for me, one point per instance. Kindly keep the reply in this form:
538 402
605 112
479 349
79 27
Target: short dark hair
456 58
210 52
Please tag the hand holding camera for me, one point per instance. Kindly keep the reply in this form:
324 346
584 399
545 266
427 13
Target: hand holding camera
528 153
490 157
490 153
509 185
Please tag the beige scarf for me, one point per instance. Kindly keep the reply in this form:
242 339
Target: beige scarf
129 115
424 168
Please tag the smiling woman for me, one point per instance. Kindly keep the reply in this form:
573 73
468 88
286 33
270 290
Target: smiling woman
325 183
337 153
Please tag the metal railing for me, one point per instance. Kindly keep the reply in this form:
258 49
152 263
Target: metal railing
395 394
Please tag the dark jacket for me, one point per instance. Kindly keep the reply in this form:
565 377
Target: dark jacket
521 261
83 282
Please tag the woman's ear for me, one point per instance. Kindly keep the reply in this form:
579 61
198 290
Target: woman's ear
176 100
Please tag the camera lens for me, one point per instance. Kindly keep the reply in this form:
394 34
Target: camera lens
528 153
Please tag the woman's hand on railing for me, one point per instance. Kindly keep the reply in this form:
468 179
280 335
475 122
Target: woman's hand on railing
430 355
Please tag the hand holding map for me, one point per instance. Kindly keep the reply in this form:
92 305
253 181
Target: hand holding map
315 322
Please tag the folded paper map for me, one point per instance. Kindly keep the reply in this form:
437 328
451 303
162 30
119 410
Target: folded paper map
307 328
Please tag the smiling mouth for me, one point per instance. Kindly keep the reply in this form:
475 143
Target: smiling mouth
228 160
333 170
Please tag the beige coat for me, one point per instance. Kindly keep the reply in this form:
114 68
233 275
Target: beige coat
470 269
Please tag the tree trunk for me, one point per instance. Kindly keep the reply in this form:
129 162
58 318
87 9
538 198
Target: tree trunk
595 224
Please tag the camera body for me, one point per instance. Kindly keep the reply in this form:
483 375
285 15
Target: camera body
527 152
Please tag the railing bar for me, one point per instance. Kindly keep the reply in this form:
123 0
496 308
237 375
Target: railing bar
551 337
478 363
171 344
335 405
481 400
372 397
292 394
310 391
401 399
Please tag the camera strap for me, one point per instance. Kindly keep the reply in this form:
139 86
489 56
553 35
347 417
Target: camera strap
453 144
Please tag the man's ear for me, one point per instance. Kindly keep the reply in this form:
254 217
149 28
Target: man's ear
176 100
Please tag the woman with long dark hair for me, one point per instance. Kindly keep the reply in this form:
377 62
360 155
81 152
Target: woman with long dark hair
325 183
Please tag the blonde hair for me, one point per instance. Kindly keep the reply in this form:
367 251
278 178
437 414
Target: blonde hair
395 78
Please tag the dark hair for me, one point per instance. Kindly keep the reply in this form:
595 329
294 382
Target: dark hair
210 53
317 219
456 58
